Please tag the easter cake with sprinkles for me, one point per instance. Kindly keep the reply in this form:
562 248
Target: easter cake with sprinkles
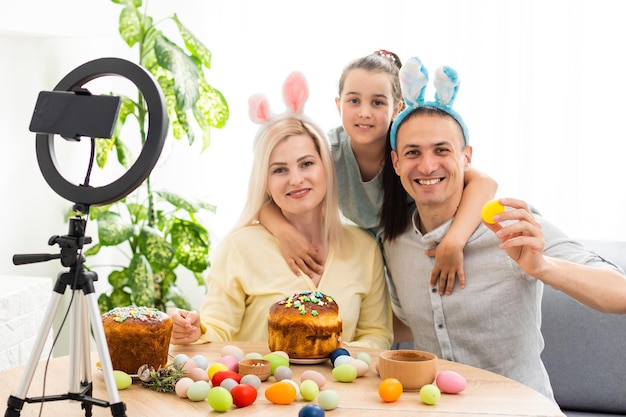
137 336
305 325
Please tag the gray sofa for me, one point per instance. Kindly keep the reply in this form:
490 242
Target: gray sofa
585 352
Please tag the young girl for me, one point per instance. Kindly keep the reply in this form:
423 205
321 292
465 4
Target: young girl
369 99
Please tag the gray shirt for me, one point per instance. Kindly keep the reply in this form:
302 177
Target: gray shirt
359 200
494 323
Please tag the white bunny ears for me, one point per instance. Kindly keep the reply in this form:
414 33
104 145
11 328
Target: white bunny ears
295 94
413 80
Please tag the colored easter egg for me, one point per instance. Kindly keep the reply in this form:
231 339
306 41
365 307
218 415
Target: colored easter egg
361 366
198 391
315 376
450 382
430 394
219 376
243 395
232 350
311 410
490 209
197 374
201 361
337 352
309 390
122 380
231 362
328 399
276 360
344 373
389 390
281 393
182 385
219 399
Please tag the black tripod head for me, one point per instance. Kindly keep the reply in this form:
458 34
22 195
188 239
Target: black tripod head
70 245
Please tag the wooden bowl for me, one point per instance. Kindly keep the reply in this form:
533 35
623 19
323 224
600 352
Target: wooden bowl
413 368
259 367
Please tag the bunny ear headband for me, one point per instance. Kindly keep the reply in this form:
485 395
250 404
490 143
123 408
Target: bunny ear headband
295 95
413 80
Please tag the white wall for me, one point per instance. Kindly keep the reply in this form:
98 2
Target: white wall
541 93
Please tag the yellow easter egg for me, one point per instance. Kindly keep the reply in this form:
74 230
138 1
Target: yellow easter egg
490 209
216 367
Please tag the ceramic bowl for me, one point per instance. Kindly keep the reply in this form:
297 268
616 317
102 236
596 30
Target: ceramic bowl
413 368
259 367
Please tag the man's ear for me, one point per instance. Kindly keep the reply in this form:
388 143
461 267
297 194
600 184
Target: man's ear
467 155
394 160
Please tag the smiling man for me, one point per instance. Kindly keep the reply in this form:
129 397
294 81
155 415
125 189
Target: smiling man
494 322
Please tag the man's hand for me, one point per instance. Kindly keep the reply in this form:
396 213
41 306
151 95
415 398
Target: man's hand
521 235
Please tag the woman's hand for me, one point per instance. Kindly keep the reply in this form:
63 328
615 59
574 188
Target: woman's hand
186 326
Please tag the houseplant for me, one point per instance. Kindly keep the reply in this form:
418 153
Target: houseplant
158 231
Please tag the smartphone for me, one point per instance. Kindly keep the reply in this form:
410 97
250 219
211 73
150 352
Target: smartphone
75 114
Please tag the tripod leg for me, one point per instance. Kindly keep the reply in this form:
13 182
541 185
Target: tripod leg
76 337
40 342
117 408
80 370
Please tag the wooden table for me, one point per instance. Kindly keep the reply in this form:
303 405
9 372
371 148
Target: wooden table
486 393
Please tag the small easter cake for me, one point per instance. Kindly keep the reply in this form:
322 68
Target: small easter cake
137 336
305 325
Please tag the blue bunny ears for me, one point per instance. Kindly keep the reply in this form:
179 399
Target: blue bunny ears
413 80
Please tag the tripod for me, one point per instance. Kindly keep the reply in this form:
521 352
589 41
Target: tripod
81 315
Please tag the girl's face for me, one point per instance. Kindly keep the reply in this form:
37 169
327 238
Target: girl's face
296 178
366 106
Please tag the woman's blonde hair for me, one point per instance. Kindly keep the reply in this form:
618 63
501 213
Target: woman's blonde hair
267 139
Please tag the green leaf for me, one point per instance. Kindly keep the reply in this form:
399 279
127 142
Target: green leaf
124 155
138 212
213 106
104 303
191 241
207 206
93 250
200 278
183 124
103 147
120 298
183 69
141 281
118 279
137 3
112 230
130 23
204 126
157 250
177 298
177 201
193 45
95 211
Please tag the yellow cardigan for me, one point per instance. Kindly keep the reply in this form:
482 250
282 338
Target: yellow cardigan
248 274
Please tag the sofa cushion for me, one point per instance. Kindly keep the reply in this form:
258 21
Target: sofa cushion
585 352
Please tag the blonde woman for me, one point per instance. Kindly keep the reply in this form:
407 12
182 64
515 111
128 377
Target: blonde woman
292 167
